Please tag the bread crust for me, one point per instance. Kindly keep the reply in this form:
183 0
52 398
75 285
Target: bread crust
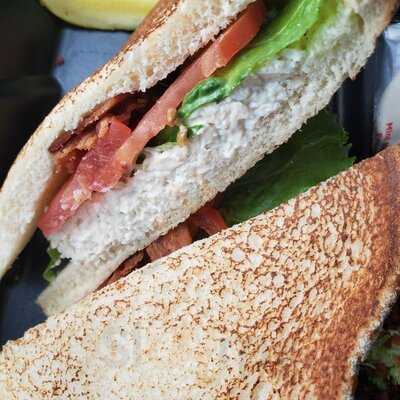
154 20
284 304
350 335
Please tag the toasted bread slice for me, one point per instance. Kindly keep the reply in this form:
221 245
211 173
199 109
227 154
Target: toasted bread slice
281 306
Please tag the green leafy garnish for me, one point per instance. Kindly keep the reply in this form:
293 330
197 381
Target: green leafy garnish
383 362
209 91
315 153
298 17
55 260
169 135
289 27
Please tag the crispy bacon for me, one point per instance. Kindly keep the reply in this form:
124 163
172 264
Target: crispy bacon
172 241
67 146
59 142
209 220
125 111
80 187
100 111
127 106
83 141
125 268
97 113
68 162
79 145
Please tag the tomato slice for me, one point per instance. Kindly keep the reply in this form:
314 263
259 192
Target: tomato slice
115 153
82 184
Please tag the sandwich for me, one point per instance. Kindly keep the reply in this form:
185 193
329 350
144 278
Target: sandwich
280 306
200 93
317 152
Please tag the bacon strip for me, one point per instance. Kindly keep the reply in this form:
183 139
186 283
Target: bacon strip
59 142
97 113
100 111
172 241
78 188
124 269
209 220
68 141
68 162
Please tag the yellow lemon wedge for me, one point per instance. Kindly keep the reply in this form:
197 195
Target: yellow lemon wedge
101 14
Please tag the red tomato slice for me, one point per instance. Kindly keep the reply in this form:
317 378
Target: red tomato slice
209 220
115 153
80 187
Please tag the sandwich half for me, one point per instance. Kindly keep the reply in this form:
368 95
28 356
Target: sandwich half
201 92
281 306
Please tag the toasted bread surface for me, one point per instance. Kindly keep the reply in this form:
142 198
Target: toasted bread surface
281 306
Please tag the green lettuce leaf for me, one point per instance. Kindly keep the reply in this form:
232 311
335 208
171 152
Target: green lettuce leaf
290 26
383 362
315 153
55 260
169 135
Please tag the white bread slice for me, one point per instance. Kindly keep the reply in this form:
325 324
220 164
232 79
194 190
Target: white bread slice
258 117
174 30
280 307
